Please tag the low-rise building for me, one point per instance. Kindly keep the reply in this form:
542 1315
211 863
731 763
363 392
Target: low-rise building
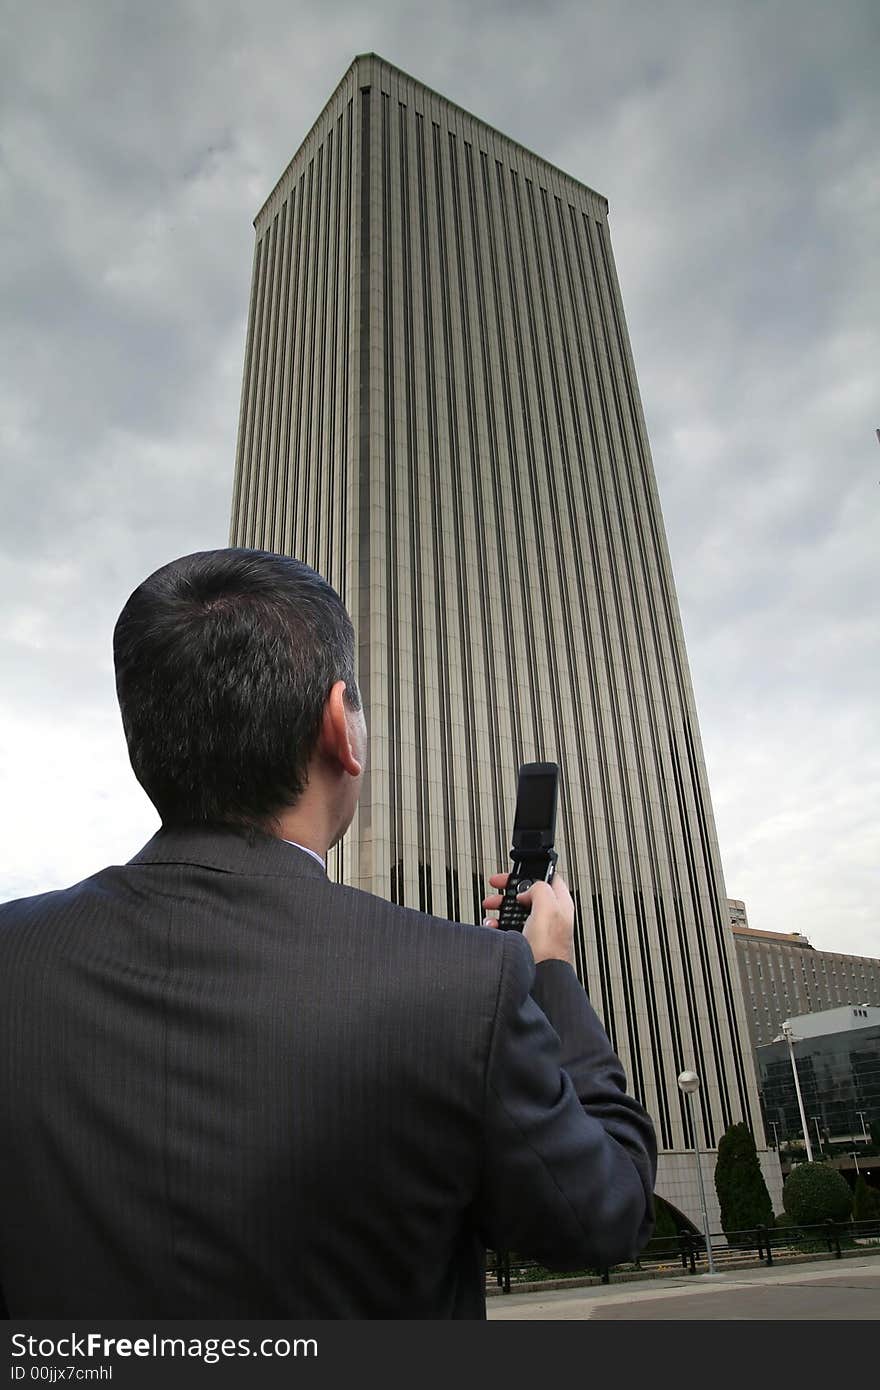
783 975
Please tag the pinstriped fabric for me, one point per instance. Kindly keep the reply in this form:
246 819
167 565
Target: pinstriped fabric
511 582
231 1088
188 1065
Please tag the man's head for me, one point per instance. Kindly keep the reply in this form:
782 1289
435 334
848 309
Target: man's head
235 677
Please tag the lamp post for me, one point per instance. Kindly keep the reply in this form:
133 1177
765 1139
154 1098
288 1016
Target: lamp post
815 1119
787 1035
775 1129
861 1115
688 1083
856 1158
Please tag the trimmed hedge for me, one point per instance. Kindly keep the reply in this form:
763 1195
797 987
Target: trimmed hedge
815 1192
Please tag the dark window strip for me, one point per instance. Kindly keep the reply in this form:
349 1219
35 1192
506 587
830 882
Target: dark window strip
256 519
510 319
271 382
391 524
417 598
441 656
471 367
503 668
274 488
468 636
365 632
288 522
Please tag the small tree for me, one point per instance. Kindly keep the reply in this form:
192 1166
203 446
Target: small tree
739 1182
813 1192
866 1202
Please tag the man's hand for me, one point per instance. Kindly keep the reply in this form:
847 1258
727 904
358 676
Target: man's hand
549 927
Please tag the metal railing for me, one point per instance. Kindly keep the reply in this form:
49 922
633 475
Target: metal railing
687 1252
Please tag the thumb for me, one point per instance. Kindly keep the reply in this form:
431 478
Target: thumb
528 894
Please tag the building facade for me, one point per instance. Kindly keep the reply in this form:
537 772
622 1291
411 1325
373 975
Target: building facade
737 911
837 1056
440 414
782 975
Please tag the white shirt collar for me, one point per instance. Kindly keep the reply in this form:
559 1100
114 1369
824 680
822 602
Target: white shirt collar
312 852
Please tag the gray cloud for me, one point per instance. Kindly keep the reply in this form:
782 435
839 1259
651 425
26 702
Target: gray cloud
737 147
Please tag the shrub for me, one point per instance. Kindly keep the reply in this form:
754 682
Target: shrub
739 1182
813 1192
866 1202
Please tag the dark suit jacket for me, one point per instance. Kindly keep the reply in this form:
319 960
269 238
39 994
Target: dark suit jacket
232 1088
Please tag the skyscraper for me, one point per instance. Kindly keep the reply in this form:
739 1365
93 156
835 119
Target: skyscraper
440 414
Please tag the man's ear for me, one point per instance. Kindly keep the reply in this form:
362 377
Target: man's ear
335 739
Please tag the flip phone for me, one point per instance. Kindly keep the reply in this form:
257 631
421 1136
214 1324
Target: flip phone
534 830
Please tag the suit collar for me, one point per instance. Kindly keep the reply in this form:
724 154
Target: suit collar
231 850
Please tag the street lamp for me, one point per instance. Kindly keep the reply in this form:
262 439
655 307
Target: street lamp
775 1128
815 1119
861 1115
856 1157
787 1035
689 1083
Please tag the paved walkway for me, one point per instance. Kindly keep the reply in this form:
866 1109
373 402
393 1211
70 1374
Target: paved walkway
829 1289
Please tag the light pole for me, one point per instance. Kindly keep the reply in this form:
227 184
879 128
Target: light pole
856 1157
861 1115
689 1082
787 1035
815 1119
773 1126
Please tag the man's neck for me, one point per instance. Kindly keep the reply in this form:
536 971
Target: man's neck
307 825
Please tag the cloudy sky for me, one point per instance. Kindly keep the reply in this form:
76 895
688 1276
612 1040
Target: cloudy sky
737 144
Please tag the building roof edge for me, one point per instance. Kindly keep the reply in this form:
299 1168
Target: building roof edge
542 159
364 57
329 102
787 938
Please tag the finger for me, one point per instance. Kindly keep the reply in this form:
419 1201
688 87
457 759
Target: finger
490 922
499 880
493 900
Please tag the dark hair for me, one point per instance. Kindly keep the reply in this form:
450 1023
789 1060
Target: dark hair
224 662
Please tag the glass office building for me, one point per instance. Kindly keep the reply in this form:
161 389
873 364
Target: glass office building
839 1076
440 413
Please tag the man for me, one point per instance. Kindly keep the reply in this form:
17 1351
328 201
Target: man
233 1088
